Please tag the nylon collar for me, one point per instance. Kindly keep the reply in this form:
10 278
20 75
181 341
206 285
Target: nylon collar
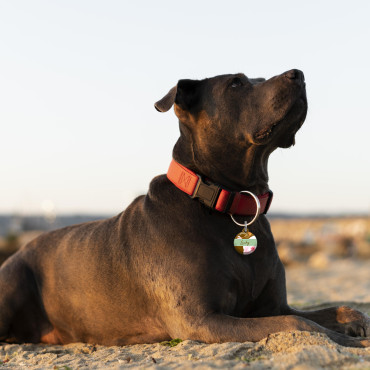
215 196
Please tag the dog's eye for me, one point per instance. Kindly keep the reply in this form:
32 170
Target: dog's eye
236 82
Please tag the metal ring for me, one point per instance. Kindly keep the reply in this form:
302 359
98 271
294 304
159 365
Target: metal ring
257 213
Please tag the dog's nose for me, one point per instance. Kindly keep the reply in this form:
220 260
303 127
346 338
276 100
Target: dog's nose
295 74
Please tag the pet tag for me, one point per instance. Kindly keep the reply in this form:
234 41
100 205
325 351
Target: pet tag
245 242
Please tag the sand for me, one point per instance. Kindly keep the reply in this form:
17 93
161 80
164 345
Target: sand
346 281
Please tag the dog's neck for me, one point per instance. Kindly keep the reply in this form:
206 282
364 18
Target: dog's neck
249 172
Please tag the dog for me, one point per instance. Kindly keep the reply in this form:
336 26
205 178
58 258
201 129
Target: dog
166 267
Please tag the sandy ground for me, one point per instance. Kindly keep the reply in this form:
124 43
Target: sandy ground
345 281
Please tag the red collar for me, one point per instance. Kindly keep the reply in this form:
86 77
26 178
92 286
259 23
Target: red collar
215 196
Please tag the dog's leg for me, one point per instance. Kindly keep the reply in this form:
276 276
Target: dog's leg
342 319
216 328
17 302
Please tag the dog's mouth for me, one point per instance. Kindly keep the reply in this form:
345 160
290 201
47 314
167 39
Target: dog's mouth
284 130
266 132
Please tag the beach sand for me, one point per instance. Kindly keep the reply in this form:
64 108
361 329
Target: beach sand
342 281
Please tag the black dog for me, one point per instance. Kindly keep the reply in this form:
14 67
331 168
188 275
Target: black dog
166 267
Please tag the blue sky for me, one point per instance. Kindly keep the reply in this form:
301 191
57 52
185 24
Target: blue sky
78 80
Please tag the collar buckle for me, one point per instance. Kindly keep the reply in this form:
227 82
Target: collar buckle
207 193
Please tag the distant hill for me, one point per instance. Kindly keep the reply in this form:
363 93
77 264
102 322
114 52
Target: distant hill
17 223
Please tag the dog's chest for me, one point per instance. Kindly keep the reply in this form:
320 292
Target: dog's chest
243 282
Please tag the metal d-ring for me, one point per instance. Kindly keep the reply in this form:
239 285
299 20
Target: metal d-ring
255 216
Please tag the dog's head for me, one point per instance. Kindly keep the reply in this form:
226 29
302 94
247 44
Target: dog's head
230 114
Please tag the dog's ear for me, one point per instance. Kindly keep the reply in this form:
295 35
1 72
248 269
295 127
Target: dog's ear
167 101
184 94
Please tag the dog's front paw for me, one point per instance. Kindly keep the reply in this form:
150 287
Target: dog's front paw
348 341
353 322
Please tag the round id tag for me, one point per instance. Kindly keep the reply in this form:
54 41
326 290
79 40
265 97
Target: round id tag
245 242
